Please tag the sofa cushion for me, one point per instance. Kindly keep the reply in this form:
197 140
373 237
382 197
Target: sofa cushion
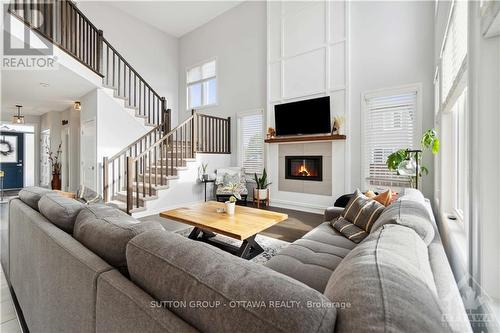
244 296
61 211
106 231
362 211
31 195
408 213
349 230
88 196
382 279
313 258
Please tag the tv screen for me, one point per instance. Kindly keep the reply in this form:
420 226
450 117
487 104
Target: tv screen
311 116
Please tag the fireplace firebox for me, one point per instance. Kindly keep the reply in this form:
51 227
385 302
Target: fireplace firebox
304 167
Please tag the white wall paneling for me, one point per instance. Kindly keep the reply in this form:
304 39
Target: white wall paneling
307 58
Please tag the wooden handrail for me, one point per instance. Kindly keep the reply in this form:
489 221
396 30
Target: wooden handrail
165 137
131 68
127 148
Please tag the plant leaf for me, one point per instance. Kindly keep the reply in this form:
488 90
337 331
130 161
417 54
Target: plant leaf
435 146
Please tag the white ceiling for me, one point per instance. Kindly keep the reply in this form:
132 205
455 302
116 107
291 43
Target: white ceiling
175 17
23 87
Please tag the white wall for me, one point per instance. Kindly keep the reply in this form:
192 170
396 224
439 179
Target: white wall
153 53
115 128
73 118
392 44
237 38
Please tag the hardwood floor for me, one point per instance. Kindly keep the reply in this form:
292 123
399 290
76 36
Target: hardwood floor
298 224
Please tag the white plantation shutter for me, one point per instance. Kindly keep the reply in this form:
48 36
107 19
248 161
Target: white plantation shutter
454 51
251 142
390 125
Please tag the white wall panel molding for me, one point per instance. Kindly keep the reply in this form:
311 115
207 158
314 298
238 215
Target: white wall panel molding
308 58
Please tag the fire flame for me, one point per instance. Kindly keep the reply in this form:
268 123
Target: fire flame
303 171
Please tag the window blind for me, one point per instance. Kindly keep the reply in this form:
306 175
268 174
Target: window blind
454 51
390 125
251 143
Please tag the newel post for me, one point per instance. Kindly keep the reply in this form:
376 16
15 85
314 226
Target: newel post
229 135
99 51
105 180
194 129
130 179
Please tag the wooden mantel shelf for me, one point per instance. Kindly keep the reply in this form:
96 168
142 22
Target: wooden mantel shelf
298 138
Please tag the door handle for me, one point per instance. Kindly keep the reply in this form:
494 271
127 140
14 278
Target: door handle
19 164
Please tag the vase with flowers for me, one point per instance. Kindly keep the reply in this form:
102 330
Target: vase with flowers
55 163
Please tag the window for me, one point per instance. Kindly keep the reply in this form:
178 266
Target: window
452 114
454 51
251 141
202 85
390 121
460 154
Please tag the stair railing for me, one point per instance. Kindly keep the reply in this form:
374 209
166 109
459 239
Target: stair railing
64 25
114 168
160 161
128 84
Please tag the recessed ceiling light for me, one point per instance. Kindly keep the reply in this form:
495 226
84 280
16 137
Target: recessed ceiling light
44 85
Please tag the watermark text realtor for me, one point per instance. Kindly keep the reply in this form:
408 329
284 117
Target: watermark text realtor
23 48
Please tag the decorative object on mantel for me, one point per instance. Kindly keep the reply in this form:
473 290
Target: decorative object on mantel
300 138
271 133
408 162
338 123
56 167
204 174
261 192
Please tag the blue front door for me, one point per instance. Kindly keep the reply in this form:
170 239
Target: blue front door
12 159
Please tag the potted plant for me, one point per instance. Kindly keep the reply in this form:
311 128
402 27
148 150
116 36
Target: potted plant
262 185
56 167
204 174
406 159
231 203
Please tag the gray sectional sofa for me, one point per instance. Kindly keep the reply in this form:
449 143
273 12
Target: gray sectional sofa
78 268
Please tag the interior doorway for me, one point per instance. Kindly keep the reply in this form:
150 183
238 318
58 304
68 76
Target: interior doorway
65 160
44 158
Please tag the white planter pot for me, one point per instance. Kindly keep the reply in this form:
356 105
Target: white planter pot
230 206
262 194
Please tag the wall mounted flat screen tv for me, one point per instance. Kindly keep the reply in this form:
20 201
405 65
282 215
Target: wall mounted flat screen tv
310 116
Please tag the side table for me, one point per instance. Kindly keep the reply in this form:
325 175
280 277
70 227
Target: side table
205 181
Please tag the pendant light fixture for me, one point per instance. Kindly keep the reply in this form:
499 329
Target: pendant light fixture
77 106
18 118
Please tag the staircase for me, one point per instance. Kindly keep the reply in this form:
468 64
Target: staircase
135 175
145 167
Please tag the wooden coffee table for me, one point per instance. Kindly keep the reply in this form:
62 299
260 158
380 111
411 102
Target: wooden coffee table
244 225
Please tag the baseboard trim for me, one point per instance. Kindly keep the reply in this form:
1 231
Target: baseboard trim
303 207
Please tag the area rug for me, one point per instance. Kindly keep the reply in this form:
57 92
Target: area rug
270 245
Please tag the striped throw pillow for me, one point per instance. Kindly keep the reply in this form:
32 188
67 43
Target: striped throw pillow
349 230
362 211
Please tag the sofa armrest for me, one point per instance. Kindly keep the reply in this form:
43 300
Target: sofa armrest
333 212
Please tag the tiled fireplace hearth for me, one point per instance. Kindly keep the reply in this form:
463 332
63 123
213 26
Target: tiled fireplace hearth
305 168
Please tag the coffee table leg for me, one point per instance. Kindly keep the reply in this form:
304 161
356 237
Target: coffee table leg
249 247
194 233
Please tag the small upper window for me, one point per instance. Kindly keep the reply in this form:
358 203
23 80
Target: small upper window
202 85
